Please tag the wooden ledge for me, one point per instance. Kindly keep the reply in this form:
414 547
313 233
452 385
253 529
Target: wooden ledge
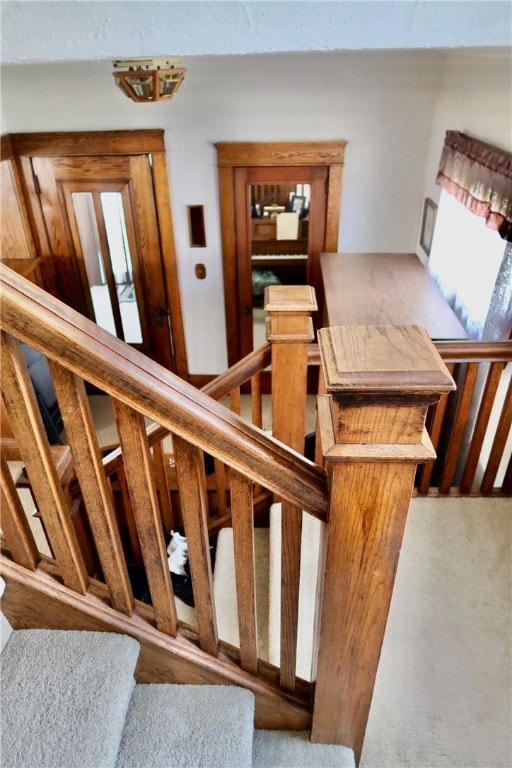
380 361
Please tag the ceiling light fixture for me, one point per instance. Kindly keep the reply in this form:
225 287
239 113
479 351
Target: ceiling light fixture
149 79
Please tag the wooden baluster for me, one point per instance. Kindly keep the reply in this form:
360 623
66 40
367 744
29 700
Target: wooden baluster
290 331
141 487
291 535
460 418
221 473
125 512
256 404
322 390
256 414
194 509
15 526
481 423
507 480
235 401
435 420
380 382
164 496
243 541
499 442
96 491
28 430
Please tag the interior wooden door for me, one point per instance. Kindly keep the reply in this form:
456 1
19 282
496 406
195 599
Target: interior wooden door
101 221
98 209
243 165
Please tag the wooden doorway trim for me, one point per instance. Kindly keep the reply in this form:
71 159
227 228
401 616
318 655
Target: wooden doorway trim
24 146
232 156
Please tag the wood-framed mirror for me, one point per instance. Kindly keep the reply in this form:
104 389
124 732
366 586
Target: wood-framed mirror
258 182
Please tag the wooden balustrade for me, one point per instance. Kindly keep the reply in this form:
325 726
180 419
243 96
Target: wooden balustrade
245 459
471 428
93 354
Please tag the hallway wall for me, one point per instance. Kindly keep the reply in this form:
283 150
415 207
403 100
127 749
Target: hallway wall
391 106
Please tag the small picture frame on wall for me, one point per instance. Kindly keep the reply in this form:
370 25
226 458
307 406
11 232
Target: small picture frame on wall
428 224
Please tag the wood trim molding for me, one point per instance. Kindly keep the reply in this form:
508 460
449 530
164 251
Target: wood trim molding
6 152
233 154
73 143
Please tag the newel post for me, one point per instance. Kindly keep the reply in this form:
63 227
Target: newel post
380 382
290 331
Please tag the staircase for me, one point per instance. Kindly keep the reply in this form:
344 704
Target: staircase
70 699
224 471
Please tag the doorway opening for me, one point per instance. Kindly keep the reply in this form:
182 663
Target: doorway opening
279 243
280 207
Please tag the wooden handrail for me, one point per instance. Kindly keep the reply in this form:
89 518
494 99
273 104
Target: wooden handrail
481 351
217 388
62 334
453 351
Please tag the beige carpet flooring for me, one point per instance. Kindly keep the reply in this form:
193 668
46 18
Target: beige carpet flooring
443 692
444 684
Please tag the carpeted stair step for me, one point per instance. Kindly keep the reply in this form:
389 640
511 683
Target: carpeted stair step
64 697
5 627
188 726
291 749
310 552
224 588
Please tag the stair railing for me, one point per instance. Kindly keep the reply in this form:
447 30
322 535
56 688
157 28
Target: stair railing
379 384
471 428
79 351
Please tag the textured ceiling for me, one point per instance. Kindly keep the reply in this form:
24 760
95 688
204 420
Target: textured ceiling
80 31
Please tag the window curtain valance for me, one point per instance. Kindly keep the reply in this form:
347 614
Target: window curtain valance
479 176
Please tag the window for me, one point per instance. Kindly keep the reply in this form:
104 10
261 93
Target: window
465 260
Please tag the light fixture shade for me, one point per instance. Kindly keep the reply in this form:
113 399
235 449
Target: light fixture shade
149 80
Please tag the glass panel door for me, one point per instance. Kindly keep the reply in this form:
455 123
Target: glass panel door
107 263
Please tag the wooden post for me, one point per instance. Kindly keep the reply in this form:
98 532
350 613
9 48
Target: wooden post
290 331
380 382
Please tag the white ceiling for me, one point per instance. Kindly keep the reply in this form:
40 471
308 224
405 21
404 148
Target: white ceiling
94 30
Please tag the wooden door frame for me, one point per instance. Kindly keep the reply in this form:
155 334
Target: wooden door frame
233 155
23 146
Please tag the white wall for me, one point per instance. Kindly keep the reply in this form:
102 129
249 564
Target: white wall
391 107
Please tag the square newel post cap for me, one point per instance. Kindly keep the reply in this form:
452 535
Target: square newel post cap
382 362
289 308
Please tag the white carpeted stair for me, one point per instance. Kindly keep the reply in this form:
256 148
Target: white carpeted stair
442 697
69 700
